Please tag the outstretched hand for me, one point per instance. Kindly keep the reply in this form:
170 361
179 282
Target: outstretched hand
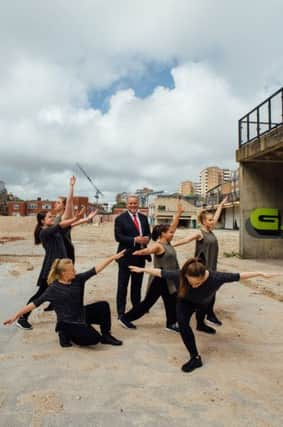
118 255
135 269
80 214
10 320
269 275
92 214
225 200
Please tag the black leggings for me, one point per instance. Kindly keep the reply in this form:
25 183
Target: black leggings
41 288
84 334
185 310
157 288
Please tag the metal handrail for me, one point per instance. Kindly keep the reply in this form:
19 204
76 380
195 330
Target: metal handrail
246 121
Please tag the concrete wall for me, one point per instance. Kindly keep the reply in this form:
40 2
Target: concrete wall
261 186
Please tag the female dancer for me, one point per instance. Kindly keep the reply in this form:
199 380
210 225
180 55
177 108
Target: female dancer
52 240
197 288
63 210
207 248
66 292
164 257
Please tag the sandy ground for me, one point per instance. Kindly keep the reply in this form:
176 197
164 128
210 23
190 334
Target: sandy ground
140 383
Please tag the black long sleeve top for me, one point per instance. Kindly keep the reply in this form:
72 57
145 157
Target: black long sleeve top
67 300
204 293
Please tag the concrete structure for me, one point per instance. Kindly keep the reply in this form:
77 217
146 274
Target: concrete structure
261 183
186 188
163 209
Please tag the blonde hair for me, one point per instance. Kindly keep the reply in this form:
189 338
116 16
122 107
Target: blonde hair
57 267
202 215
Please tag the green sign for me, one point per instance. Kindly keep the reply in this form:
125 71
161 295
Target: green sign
265 222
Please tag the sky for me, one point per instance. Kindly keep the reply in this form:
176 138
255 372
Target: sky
138 92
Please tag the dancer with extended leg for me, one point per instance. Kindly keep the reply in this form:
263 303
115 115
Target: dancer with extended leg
197 287
74 320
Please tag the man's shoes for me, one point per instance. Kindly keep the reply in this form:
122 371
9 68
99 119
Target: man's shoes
212 318
107 338
125 323
23 323
194 363
173 328
205 328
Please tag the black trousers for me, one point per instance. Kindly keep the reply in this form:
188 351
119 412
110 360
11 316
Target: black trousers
185 310
41 288
157 288
124 275
210 307
84 334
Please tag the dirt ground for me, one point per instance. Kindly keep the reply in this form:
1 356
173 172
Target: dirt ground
140 383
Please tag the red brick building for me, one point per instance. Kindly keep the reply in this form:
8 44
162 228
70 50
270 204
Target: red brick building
32 207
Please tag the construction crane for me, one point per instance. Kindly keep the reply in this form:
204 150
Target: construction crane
98 193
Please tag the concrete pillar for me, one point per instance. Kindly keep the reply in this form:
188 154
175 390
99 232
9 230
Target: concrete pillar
261 185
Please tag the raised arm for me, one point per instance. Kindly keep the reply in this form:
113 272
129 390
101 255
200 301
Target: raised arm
195 236
108 261
26 309
176 219
219 210
69 208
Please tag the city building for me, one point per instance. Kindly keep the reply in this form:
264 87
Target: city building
186 188
163 209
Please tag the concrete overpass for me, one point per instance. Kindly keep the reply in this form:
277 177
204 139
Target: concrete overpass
260 155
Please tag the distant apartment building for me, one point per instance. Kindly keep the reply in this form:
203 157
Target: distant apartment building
197 188
186 188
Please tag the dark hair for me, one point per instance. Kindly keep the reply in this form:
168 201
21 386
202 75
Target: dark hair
193 267
40 217
158 229
202 215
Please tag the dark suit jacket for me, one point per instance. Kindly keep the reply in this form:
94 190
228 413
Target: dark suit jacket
125 232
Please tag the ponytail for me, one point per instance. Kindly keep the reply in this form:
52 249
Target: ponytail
57 267
40 217
158 230
193 267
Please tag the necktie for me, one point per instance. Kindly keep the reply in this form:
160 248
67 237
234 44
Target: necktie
136 223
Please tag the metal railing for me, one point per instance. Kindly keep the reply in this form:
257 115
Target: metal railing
262 119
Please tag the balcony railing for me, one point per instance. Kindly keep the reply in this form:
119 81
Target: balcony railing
262 119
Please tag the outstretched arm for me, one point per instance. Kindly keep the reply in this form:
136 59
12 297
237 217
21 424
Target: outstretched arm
195 236
250 275
69 208
156 248
108 261
219 210
26 309
85 220
153 271
176 219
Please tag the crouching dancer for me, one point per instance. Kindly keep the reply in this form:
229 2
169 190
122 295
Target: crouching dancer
197 288
74 320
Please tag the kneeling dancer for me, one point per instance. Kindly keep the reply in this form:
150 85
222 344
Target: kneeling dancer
74 320
197 288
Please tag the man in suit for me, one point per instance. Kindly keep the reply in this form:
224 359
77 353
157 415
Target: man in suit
132 232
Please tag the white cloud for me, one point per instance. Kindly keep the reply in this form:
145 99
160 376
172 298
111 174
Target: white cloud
52 56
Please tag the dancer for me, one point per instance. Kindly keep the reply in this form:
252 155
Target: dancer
164 257
197 288
63 210
132 232
207 248
52 240
66 292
